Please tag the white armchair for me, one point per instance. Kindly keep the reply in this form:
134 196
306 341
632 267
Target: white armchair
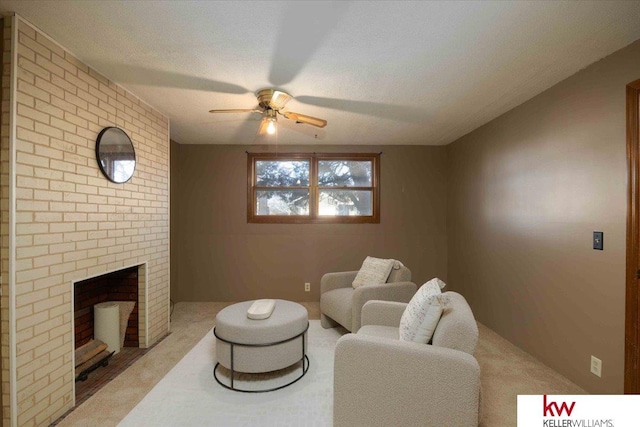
341 304
382 381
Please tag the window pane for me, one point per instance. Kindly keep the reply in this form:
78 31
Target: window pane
345 203
282 173
123 170
344 173
282 202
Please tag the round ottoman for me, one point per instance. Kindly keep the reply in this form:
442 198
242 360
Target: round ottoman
257 346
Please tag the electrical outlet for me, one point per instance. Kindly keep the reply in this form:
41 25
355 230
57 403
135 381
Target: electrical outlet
307 287
596 366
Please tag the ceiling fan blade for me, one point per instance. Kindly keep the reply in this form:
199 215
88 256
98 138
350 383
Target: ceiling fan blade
402 113
237 110
308 131
301 118
303 28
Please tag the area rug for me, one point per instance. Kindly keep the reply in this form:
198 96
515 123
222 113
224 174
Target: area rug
189 395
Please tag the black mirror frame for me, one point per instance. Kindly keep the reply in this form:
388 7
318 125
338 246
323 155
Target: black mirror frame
98 159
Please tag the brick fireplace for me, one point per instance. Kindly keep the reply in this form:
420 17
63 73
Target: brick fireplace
63 222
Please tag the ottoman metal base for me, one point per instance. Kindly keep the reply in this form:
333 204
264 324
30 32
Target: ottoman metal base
304 359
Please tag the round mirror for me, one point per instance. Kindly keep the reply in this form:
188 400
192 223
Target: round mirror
115 154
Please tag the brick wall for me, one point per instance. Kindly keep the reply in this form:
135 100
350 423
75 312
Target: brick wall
70 222
4 215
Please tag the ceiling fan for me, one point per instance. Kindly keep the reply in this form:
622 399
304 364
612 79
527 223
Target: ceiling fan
271 103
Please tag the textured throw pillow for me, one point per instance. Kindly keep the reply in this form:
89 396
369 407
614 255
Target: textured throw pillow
423 312
373 271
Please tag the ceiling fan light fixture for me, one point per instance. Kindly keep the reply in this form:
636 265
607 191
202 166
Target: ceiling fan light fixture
269 120
271 103
271 127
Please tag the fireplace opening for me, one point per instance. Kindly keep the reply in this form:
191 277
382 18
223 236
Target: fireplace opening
96 363
121 285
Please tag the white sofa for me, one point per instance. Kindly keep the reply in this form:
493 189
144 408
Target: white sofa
382 381
341 304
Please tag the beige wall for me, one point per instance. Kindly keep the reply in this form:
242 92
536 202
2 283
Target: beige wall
217 256
67 222
525 193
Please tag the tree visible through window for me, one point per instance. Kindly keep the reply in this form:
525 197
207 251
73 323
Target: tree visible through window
313 188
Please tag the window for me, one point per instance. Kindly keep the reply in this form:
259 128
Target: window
313 188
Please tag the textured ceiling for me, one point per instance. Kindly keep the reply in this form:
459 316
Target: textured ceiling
379 72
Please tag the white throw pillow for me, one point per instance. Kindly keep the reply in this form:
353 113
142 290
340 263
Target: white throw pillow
373 271
423 312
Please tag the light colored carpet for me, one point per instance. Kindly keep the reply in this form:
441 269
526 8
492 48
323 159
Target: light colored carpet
506 372
189 396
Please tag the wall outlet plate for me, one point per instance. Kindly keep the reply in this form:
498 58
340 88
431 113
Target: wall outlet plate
598 240
307 287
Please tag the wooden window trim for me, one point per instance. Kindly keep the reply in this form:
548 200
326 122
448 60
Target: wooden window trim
314 189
